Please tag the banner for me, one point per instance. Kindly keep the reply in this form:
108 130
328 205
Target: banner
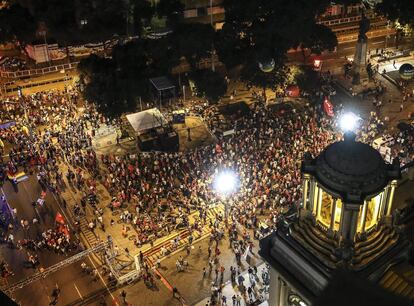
328 107
59 219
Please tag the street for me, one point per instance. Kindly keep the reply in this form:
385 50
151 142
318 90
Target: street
94 212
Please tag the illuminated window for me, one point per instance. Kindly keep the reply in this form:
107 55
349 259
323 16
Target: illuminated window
373 206
296 300
326 210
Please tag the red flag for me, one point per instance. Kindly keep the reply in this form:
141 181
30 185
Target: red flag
218 149
59 219
328 107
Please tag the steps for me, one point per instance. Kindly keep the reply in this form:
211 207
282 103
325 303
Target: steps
375 247
397 284
155 252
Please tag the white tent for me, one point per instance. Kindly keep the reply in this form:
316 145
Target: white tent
145 120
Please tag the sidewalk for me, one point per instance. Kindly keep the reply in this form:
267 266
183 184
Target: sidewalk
151 251
230 289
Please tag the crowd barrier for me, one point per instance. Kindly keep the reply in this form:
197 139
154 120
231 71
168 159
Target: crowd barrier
35 72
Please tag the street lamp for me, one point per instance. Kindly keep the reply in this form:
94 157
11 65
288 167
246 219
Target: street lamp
348 122
225 183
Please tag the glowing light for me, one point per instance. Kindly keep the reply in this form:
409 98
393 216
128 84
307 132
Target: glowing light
348 122
225 182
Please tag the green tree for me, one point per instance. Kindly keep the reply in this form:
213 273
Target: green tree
261 30
105 18
211 84
16 24
142 12
320 38
397 10
308 79
253 75
193 41
172 10
59 18
116 84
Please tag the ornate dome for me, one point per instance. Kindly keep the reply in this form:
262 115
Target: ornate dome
406 71
267 65
353 170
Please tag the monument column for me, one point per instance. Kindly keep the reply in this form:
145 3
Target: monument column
359 66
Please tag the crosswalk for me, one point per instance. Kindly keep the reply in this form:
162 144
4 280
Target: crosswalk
90 237
153 254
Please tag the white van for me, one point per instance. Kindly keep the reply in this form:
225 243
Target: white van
386 141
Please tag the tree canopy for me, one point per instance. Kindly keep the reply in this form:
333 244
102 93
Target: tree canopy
172 10
16 23
193 41
116 84
262 30
211 84
397 10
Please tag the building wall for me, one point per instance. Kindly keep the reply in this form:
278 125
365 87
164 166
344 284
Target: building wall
281 293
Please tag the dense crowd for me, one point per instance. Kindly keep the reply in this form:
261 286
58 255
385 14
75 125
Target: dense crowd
156 193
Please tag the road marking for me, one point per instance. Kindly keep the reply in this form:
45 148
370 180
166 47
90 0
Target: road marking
31 200
378 42
62 210
78 291
103 281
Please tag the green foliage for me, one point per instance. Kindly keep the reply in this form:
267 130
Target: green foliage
307 79
58 17
252 75
320 38
142 12
106 18
62 19
16 23
263 29
172 9
193 41
397 10
116 84
211 84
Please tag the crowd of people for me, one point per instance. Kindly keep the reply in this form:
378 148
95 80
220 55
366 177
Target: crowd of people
50 135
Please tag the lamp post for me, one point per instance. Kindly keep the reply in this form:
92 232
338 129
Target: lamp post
348 122
225 183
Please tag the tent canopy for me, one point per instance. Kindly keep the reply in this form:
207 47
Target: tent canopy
162 83
145 120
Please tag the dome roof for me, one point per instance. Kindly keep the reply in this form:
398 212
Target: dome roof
353 170
406 71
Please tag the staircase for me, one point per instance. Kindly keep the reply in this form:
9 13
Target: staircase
398 284
316 242
376 244
153 254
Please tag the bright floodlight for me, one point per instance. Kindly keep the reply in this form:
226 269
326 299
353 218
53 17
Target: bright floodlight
348 122
225 182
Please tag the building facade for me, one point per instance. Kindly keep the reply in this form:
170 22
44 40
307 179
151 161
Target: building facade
344 221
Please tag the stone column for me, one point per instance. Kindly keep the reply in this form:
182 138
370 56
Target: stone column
274 287
332 224
384 201
283 293
354 225
391 197
318 212
364 216
315 200
349 222
305 190
311 194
